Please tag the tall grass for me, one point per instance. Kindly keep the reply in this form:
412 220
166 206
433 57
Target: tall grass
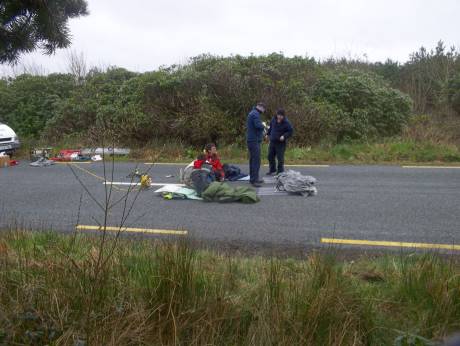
421 144
392 151
165 292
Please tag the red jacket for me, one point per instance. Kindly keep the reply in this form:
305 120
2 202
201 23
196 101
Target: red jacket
217 167
215 163
198 163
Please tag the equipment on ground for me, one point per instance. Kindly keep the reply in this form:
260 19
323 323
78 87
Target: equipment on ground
146 181
296 183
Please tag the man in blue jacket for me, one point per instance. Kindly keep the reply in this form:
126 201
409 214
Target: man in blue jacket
279 131
254 137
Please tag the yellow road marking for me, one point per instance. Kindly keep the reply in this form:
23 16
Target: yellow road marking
130 229
94 175
88 172
439 167
390 244
139 184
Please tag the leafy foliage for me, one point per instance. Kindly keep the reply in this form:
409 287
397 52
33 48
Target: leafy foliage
29 101
29 24
208 98
368 107
454 93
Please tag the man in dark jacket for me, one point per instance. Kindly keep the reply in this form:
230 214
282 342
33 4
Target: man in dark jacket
279 131
254 137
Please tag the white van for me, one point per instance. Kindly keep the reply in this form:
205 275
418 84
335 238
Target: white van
9 141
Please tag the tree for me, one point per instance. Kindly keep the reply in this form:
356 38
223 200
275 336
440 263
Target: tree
77 66
26 25
28 102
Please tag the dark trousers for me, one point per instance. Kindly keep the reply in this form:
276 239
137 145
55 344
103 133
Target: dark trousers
276 151
254 161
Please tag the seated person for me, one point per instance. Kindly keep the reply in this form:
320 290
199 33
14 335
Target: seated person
212 158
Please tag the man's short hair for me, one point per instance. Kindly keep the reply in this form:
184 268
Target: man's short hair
281 111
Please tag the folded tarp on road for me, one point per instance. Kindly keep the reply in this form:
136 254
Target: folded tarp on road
296 183
224 193
42 162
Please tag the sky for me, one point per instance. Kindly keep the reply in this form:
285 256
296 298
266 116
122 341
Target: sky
142 35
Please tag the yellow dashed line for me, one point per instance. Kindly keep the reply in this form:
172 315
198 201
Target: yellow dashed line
90 173
130 229
437 167
390 244
93 175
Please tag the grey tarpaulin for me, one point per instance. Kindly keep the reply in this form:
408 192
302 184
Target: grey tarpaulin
294 182
42 162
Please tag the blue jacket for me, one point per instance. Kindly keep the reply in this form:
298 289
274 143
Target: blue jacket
276 130
255 128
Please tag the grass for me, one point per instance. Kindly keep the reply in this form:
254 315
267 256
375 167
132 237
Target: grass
390 152
394 151
162 292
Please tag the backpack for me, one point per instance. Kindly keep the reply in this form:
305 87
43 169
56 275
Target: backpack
197 179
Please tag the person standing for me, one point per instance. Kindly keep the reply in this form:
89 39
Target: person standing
254 136
279 131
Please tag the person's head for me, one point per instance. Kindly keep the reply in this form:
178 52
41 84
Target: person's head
280 115
211 149
261 107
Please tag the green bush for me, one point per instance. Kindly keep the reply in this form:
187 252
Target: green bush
27 102
369 107
454 93
208 99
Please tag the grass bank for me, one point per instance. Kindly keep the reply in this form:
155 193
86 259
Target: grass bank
57 289
395 151
388 152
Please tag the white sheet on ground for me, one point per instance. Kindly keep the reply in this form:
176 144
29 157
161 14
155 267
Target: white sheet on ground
188 193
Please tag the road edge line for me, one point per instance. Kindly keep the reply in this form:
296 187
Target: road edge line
130 229
390 244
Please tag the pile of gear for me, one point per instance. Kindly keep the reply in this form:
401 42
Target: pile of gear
145 181
41 157
204 179
5 161
201 183
296 183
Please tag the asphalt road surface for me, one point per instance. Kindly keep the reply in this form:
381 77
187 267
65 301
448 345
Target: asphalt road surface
371 203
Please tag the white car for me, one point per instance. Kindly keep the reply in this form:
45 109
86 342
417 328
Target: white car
9 141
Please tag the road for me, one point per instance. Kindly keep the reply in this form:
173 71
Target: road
372 203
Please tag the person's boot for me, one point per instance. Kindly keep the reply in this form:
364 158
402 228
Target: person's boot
256 184
270 173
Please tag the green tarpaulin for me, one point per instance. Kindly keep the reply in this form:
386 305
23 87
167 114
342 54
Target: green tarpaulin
224 193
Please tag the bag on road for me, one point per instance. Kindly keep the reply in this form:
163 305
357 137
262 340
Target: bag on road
224 193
